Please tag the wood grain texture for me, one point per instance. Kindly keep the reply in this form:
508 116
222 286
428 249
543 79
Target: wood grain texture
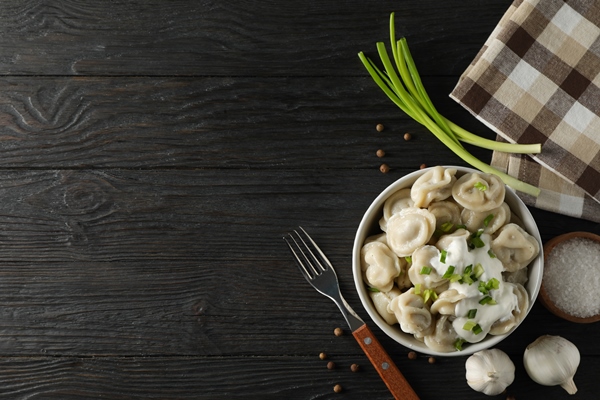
239 37
228 123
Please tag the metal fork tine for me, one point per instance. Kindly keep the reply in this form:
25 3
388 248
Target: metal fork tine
303 268
313 261
318 249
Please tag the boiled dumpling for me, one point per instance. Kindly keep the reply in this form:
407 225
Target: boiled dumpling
504 325
514 247
380 265
479 192
424 257
475 220
412 314
446 212
443 337
433 185
394 204
409 229
446 302
381 301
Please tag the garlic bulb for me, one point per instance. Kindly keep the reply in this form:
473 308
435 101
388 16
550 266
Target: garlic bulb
552 360
490 371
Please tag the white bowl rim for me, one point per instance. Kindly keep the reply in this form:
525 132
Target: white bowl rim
533 283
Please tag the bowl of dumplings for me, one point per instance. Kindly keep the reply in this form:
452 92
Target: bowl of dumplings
448 261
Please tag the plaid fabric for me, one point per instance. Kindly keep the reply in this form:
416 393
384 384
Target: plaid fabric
537 80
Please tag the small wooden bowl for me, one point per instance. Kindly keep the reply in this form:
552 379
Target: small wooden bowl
544 297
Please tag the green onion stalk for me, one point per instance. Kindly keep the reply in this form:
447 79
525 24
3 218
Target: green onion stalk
405 88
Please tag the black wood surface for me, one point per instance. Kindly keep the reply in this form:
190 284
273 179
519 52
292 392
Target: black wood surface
152 155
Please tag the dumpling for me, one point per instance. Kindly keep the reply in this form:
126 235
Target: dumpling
520 276
409 229
445 241
435 184
381 301
514 247
423 257
412 314
380 265
446 302
504 325
394 204
443 337
475 220
479 192
445 212
403 280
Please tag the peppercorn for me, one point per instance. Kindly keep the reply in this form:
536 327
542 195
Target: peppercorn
431 360
338 332
379 127
354 368
407 136
322 356
423 166
380 153
330 365
412 355
337 388
511 397
384 168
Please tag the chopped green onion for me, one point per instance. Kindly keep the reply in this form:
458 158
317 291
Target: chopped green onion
469 325
477 242
449 272
447 227
443 256
472 313
373 289
405 89
458 343
487 220
493 284
468 269
480 186
418 288
408 259
429 294
425 271
478 270
491 253
483 288
456 278
467 279
477 329
461 226
487 300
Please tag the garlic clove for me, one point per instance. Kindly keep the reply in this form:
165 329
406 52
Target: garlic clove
489 371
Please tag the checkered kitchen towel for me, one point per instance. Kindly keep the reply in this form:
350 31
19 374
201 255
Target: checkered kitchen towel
537 80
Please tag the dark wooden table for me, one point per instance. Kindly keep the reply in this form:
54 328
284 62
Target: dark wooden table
152 155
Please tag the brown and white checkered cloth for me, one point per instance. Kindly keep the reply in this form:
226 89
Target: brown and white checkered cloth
537 80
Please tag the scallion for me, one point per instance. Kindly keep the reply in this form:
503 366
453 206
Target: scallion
408 259
418 288
477 329
491 253
469 325
487 300
478 270
449 272
480 186
425 270
472 313
487 220
443 255
403 85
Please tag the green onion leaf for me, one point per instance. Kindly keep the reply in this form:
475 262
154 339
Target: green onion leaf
477 242
458 343
469 325
408 259
478 270
456 278
483 288
373 289
447 227
443 256
418 288
493 284
480 186
487 300
449 272
477 329
425 270
472 313
487 220
468 269
491 253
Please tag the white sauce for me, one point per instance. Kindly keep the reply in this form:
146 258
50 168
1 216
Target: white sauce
459 256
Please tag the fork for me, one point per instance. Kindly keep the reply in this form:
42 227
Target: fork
319 272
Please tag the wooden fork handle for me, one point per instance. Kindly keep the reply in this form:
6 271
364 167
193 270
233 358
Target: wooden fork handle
384 365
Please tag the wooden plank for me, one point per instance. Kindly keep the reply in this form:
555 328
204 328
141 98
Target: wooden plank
237 38
296 377
118 122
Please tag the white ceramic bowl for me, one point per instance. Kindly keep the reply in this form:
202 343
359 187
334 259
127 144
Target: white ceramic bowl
370 226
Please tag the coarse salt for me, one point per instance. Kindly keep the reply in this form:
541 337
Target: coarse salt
572 277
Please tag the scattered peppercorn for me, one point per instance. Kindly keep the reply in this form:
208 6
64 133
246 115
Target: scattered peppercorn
423 166
354 367
431 360
322 356
338 332
511 397
412 355
330 365
379 127
337 388
407 136
380 153
384 168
